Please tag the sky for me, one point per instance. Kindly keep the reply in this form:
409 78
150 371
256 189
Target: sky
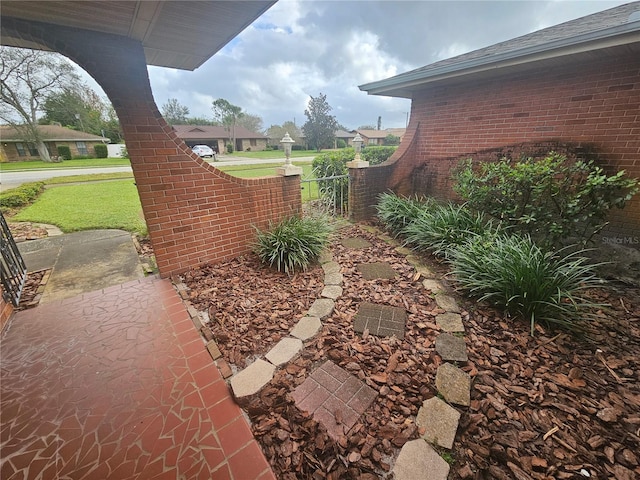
301 48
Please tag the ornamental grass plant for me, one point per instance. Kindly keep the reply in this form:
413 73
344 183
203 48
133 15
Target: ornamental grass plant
512 272
293 243
396 212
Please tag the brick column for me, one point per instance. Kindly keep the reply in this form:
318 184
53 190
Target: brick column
195 213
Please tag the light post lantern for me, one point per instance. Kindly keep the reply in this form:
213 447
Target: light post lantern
288 169
357 145
286 142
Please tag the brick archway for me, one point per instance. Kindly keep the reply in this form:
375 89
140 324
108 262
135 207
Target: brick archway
195 213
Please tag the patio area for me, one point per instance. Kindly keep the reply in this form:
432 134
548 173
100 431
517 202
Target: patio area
117 384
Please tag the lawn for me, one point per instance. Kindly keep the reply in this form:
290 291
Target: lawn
272 154
80 163
113 204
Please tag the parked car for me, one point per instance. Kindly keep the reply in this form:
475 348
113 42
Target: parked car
203 151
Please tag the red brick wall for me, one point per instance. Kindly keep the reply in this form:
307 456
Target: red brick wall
6 310
595 102
195 213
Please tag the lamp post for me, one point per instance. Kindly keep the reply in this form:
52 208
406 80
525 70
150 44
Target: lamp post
357 145
288 169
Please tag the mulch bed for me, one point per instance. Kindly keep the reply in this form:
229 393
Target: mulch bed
546 407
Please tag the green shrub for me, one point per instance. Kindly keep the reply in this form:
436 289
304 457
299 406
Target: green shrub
440 228
512 272
340 143
293 243
396 213
296 147
229 148
64 152
333 193
377 155
101 150
550 199
391 140
20 196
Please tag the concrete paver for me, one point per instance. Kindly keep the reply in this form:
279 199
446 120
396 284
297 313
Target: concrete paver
285 350
419 461
440 422
251 380
374 271
454 384
451 348
381 320
306 328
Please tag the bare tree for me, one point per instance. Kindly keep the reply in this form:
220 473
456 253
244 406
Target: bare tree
27 78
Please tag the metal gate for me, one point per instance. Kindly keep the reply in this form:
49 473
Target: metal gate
12 267
332 193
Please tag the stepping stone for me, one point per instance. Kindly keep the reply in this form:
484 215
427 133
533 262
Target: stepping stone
331 291
285 350
334 397
374 271
454 384
434 285
440 421
425 271
321 308
333 279
380 320
325 257
331 267
251 380
450 322
451 348
306 328
356 242
447 303
405 251
419 461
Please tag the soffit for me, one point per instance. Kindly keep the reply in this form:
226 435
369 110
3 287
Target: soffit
176 34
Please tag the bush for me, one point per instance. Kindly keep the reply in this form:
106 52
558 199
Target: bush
377 155
441 228
297 147
101 150
512 272
64 152
293 243
229 148
340 143
550 199
20 196
391 140
396 213
333 193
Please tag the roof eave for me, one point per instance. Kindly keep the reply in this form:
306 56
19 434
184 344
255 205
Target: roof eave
404 84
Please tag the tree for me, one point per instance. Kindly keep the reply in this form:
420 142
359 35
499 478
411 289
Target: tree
77 107
175 113
27 78
227 114
277 132
320 127
367 127
253 123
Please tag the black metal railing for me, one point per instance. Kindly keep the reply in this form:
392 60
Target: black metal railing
12 267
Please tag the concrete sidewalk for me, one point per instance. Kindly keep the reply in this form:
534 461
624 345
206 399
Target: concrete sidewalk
83 261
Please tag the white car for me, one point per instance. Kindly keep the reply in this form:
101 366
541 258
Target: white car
203 151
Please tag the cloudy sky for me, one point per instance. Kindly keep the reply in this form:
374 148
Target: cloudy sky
301 48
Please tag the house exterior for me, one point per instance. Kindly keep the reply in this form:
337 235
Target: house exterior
376 137
13 147
344 135
573 87
218 137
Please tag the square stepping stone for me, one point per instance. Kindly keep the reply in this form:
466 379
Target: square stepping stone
450 322
355 242
418 460
374 271
454 384
451 348
334 397
440 422
380 320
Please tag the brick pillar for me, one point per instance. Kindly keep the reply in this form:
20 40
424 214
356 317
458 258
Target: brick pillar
195 213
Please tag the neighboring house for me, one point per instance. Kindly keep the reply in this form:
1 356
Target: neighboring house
218 137
14 148
343 135
376 137
573 87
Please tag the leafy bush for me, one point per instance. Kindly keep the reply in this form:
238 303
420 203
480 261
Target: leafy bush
293 243
333 193
550 199
377 155
64 152
229 148
296 147
20 196
440 228
396 213
512 272
391 140
101 150
340 143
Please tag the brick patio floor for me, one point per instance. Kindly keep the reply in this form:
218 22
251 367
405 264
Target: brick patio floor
117 384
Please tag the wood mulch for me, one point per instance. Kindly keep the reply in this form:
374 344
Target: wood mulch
553 406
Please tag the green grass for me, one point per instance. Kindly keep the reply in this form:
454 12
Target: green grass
273 154
88 206
40 165
96 177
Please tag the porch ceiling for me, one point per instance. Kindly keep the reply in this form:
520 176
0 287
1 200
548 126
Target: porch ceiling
176 34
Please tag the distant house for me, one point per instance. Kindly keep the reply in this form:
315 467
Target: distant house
218 137
14 148
347 137
376 137
572 87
